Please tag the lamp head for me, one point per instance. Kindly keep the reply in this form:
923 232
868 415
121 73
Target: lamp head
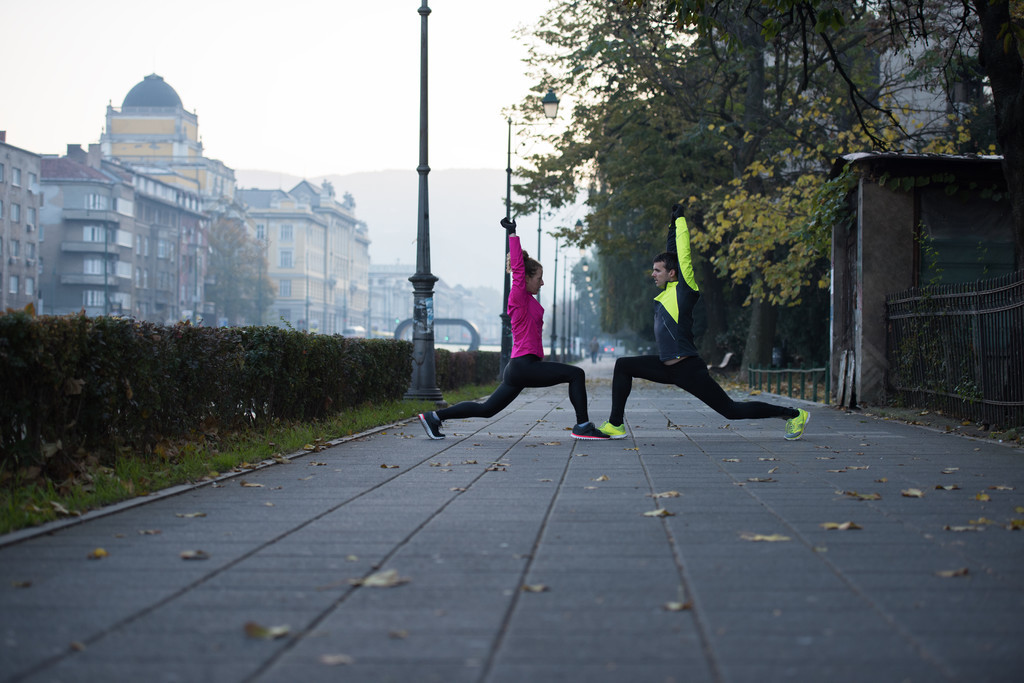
550 102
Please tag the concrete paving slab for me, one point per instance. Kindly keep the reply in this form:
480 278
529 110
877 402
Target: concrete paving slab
513 501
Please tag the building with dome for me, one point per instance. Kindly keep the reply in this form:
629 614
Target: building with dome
153 132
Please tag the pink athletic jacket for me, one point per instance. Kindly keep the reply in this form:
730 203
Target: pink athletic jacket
525 312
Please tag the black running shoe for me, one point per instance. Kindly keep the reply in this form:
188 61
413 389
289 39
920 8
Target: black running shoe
588 431
432 424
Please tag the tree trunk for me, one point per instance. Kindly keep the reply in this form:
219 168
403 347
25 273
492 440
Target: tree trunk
1005 70
714 308
760 334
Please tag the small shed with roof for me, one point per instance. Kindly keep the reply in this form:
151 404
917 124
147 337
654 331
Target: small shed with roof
914 220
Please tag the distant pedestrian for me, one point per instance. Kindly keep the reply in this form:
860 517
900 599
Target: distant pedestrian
677 361
526 367
594 348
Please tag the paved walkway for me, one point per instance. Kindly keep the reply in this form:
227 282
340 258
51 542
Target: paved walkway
527 556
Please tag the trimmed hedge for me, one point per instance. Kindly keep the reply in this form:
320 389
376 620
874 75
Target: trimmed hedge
72 385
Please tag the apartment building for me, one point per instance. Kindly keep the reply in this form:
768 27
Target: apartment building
318 257
118 242
20 202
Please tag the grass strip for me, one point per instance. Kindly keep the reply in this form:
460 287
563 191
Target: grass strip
29 503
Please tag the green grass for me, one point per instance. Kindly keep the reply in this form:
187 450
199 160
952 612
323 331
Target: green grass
25 504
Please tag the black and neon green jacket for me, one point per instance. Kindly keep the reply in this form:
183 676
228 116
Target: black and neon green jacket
673 307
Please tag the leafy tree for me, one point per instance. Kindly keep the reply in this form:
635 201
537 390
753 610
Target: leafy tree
669 109
238 270
947 41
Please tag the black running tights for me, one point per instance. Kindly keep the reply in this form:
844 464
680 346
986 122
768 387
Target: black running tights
689 374
520 373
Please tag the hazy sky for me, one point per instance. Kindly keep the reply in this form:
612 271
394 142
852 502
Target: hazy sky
301 87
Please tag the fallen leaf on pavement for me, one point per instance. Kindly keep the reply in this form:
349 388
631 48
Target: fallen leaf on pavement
552 443
950 487
951 573
950 470
982 520
677 606
97 554
660 512
194 555
983 497
1000 487
254 630
384 579
964 528
840 526
770 538
862 496
761 479
730 459
336 660
664 494
148 532
603 477
389 467
250 485
912 493
190 515
534 588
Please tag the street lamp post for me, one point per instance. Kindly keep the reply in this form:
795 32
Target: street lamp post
550 103
423 384
554 307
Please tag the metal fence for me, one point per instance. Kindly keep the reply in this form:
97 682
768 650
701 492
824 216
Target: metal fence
793 382
960 349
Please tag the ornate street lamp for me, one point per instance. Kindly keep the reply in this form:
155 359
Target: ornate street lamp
550 103
423 384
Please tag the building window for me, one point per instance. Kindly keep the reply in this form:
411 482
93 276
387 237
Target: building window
16 177
286 234
33 180
15 213
97 202
92 298
261 232
1 173
163 248
284 288
92 266
30 286
94 233
12 284
285 258
30 221
15 248
1 206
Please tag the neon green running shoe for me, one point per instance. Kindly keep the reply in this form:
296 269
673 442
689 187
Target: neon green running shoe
612 431
795 426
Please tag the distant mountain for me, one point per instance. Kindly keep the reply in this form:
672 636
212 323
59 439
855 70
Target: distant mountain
467 246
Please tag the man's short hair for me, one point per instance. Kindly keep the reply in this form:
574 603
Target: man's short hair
669 259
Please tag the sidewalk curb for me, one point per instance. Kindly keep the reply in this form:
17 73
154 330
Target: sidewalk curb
15 537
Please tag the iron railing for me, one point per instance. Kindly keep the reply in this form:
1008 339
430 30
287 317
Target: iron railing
757 377
959 349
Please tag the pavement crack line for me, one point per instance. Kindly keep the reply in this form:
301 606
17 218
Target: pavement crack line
925 653
684 577
506 620
339 601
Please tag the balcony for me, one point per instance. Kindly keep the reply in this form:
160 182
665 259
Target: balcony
90 247
86 279
104 215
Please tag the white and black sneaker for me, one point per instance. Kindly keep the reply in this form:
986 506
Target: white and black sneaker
588 431
432 424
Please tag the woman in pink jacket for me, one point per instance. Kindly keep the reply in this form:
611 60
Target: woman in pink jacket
526 368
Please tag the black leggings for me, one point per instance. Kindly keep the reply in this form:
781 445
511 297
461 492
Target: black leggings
522 372
689 374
